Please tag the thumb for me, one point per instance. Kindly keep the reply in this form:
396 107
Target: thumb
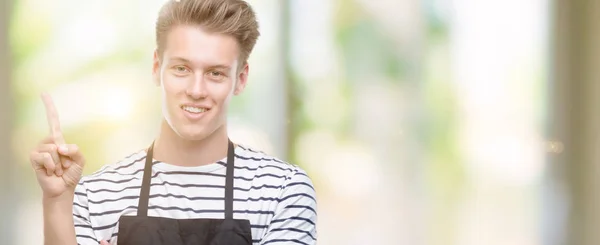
103 242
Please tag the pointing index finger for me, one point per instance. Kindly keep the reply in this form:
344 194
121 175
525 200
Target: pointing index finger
53 122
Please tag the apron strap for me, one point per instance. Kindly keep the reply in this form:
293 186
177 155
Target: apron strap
145 192
229 181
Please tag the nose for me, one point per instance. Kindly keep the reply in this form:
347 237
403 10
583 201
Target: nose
197 87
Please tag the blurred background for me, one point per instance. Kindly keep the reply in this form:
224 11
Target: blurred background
422 122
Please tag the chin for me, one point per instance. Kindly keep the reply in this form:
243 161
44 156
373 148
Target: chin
193 134
192 131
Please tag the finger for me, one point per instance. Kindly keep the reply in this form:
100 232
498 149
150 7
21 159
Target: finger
103 242
73 152
48 163
43 160
58 168
34 159
66 162
53 150
53 122
50 148
60 161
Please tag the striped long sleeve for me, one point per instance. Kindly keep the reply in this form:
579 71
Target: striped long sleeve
295 217
81 217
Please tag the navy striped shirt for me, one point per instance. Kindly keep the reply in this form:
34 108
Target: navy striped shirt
276 197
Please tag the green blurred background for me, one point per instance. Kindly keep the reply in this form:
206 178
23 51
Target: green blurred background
420 122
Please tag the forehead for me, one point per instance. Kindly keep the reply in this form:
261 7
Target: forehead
200 47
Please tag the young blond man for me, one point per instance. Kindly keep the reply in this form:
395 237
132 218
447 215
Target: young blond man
191 185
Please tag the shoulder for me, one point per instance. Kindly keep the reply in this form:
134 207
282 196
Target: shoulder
272 169
255 159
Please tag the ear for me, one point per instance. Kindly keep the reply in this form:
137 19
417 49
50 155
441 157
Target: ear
156 68
242 80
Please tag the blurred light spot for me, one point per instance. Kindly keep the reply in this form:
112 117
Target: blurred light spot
555 147
312 26
119 105
502 157
381 108
352 172
327 106
312 147
88 37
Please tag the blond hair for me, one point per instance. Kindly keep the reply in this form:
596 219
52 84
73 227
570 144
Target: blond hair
230 17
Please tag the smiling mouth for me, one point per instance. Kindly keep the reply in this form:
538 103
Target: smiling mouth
195 110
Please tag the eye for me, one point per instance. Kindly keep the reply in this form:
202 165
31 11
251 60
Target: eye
216 75
181 69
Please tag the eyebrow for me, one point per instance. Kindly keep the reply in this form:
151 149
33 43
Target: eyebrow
184 60
219 67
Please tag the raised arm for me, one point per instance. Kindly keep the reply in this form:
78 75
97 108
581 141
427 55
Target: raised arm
58 167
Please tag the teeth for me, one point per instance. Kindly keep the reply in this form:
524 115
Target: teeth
194 109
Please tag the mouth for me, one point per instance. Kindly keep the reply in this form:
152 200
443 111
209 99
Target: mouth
194 109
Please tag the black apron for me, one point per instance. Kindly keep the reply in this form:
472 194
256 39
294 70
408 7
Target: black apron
145 230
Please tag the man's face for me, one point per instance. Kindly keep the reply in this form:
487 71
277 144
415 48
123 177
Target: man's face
198 75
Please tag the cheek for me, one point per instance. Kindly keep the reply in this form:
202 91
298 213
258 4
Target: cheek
221 92
172 85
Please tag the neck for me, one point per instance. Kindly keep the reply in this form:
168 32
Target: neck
173 149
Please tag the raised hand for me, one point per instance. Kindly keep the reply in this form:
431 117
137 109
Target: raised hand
58 165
